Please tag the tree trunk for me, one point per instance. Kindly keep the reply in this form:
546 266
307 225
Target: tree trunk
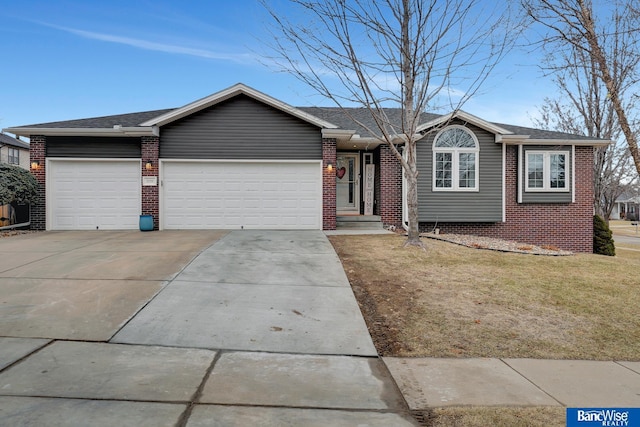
599 56
413 233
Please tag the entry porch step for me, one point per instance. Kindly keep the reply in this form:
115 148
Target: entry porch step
362 222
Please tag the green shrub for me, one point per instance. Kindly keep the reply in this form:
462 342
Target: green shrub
602 238
17 185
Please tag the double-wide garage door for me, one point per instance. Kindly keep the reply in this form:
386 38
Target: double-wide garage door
90 195
234 195
106 195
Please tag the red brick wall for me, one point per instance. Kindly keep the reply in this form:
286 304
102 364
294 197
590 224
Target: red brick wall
390 198
328 184
37 152
564 225
150 195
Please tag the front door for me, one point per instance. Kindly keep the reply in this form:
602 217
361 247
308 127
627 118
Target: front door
348 183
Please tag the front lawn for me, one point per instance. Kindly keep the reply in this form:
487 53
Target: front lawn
453 301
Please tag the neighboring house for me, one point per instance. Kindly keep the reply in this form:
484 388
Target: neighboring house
626 207
14 151
241 159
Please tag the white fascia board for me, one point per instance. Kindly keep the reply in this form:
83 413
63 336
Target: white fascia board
462 115
511 139
526 140
115 131
230 93
577 142
338 133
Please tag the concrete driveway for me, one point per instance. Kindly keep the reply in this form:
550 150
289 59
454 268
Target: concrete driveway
87 285
185 328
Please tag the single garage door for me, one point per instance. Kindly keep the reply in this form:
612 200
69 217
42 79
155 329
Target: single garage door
90 195
233 195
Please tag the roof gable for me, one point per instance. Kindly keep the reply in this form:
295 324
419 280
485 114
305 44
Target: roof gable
464 116
231 92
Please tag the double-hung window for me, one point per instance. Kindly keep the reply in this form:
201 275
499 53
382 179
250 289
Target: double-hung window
455 160
547 171
13 157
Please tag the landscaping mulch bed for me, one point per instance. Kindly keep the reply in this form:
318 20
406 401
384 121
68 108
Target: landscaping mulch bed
489 243
10 233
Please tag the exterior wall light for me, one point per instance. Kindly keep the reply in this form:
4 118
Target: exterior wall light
329 167
35 164
148 165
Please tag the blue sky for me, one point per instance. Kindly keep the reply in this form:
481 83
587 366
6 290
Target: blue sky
66 59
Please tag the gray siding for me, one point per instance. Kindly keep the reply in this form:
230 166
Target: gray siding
545 197
241 128
87 146
484 205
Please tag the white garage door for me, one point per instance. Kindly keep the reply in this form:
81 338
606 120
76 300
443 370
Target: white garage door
233 195
86 195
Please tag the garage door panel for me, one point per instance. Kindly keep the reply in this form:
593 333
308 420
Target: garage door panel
234 195
89 194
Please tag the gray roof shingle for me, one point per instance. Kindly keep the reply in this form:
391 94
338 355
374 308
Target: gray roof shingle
338 117
125 120
544 134
333 115
9 140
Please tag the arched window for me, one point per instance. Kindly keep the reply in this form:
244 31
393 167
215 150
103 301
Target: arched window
455 160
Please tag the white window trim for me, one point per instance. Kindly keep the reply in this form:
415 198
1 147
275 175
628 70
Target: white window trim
13 156
455 159
546 165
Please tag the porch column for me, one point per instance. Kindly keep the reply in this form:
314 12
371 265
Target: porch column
150 193
328 184
37 153
390 203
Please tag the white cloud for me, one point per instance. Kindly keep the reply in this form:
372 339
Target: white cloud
158 47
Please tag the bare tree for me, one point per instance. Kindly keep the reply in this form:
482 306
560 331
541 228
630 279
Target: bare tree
416 55
608 36
583 108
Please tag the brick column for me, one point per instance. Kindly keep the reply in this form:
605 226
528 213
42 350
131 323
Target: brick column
328 184
390 203
37 153
150 194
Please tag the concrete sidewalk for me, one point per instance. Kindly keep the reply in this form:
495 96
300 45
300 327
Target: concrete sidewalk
432 382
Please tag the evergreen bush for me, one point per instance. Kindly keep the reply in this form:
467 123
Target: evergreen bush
17 185
602 238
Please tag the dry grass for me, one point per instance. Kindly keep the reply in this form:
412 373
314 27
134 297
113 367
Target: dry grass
497 417
624 228
452 301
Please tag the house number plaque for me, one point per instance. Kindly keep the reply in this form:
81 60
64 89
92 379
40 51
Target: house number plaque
149 181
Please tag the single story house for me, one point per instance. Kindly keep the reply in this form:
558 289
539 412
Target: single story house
626 207
242 159
13 151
